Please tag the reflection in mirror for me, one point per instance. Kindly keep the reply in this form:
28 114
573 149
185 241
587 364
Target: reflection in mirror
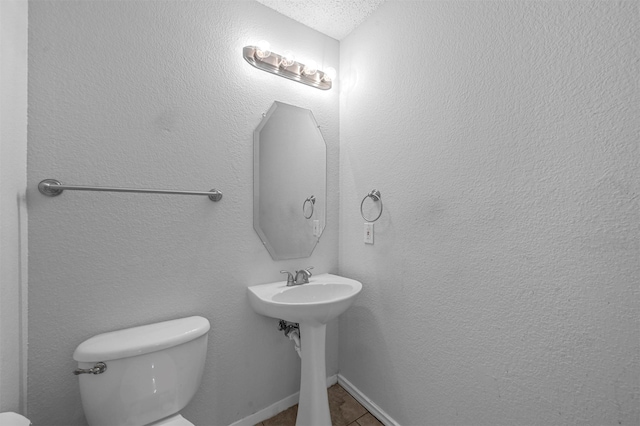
289 183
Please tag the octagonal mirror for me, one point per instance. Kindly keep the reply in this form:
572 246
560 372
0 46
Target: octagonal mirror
289 181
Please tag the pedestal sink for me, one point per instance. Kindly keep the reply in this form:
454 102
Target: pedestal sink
311 305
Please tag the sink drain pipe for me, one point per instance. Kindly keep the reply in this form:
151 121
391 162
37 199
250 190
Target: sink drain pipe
292 331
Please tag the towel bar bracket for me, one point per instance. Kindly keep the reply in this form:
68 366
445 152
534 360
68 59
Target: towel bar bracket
48 187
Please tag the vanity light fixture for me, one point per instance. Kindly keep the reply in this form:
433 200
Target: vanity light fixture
288 58
263 50
310 69
285 65
329 74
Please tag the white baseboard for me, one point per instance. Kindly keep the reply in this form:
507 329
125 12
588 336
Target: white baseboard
332 380
371 406
277 407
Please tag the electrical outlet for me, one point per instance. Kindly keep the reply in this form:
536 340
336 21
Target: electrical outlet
368 233
316 228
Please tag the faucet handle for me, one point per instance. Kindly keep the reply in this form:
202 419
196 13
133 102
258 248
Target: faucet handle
306 273
290 279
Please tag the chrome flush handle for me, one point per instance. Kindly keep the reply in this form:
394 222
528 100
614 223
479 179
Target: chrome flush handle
99 368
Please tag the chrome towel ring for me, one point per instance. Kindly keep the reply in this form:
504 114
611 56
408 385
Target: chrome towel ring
312 201
374 194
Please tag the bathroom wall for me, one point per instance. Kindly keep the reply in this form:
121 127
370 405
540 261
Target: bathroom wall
13 213
502 287
157 94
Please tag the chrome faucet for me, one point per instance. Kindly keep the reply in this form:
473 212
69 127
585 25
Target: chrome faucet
301 276
306 273
290 279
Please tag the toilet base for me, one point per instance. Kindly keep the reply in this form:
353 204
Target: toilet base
175 420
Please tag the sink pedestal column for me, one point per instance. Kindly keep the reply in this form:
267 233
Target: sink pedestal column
313 408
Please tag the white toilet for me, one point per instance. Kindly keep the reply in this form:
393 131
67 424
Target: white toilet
151 373
13 419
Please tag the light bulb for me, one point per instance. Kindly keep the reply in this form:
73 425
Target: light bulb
329 74
288 58
310 68
263 49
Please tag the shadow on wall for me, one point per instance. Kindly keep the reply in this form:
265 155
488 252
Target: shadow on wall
359 354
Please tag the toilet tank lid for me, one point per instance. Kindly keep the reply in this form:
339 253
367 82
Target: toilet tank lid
140 340
13 419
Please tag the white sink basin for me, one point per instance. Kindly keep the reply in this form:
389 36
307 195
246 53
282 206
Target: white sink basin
312 305
324 298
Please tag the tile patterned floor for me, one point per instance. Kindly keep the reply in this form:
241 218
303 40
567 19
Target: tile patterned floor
344 409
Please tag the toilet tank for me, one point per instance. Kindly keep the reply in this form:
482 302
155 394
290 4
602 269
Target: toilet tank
152 372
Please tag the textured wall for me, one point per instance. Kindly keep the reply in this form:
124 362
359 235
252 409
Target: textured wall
157 94
13 181
337 19
503 284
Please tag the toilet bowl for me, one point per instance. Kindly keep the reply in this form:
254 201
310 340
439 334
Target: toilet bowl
13 419
142 376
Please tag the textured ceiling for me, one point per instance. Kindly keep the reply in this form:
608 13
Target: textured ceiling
335 18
